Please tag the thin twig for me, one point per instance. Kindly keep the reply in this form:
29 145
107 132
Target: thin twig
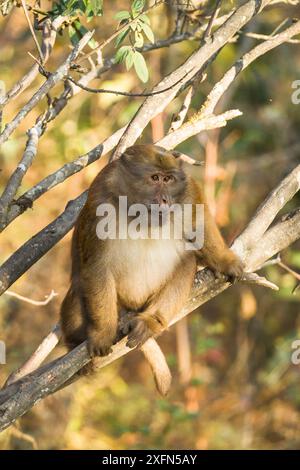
253 278
121 93
214 15
39 303
265 37
49 32
179 118
32 30
17 176
38 357
270 262
15 432
53 79
289 270
195 126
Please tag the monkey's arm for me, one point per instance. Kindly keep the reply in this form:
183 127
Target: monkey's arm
215 253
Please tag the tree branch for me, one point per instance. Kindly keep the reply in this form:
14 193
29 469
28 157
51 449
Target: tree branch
257 243
38 357
222 86
267 211
51 81
40 244
49 33
16 178
187 130
192 66
195 126
60 175
20 396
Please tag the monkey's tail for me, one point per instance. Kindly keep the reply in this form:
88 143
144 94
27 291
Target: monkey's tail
159 366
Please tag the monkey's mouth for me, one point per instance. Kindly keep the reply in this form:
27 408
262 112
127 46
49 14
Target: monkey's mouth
158 215
163 208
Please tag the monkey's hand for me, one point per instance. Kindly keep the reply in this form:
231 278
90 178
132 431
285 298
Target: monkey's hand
230 265
99 343
142 327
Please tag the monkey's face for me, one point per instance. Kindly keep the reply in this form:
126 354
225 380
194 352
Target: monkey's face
152 176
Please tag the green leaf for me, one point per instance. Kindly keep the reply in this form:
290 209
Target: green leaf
80 28
137 7
121 37
89 8
139 39
122 53
129 60
96 6
76 6
140 67
122 15
145 18
148 32
133 25
93 43
89 15
80 31
93 8
73 35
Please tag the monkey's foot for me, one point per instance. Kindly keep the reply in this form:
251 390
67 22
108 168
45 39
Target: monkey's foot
231 267
98 344
137 330
123 324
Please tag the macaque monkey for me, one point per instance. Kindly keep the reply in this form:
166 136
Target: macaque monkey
134 287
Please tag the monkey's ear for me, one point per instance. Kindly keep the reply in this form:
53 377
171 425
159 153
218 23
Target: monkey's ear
131 151
185 158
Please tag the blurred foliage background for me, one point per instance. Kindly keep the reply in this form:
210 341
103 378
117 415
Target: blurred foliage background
234 386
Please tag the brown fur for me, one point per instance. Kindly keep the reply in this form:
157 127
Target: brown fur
151 279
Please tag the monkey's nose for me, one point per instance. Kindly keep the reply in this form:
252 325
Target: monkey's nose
162 200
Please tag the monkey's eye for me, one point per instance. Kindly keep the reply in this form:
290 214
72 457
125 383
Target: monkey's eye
168 179
155 177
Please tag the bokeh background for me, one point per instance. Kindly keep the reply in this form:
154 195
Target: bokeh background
234 386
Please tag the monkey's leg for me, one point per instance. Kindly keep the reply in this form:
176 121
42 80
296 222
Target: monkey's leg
72 321
163 306
99 305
